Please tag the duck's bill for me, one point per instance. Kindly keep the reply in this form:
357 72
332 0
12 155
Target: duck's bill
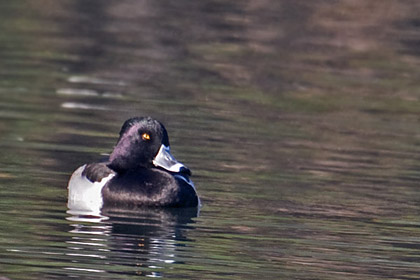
165 160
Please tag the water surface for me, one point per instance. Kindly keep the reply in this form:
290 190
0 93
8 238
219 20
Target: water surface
299 120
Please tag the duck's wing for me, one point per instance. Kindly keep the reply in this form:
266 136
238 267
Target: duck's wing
187 191
96 172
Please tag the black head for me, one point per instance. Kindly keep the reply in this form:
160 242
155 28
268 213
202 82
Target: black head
139 142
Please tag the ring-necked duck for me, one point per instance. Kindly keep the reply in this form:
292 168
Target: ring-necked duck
139 172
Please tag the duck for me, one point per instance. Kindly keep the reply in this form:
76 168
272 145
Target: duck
140 172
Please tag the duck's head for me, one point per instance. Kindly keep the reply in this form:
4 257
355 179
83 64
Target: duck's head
144 143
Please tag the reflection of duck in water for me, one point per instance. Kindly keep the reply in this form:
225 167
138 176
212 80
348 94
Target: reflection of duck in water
142 241
139 172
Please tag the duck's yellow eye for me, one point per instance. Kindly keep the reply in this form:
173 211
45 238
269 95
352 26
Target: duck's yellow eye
145 136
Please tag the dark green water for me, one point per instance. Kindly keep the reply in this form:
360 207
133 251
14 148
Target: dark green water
299 119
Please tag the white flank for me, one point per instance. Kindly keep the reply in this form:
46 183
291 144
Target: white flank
85 197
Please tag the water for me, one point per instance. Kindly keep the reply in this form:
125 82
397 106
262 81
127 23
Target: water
299 120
